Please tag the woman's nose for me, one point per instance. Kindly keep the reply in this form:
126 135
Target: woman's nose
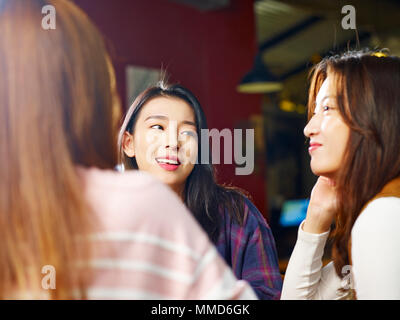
172 136
312 127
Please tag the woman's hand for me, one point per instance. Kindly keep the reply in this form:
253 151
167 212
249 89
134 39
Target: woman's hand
322 207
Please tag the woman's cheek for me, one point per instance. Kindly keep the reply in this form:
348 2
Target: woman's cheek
147 146
188 151
153 137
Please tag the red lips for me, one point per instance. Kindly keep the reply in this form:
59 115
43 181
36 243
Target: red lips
169 157
168 162
313 146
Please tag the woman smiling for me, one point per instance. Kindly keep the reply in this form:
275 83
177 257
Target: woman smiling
159 135
354 118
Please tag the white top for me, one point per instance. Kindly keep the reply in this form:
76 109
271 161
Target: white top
375 252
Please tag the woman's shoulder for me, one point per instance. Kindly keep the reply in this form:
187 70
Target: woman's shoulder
380 216
375 250
252 217
134 184
107 178
132 197
379 208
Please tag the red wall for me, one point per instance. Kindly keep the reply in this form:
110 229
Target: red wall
208 52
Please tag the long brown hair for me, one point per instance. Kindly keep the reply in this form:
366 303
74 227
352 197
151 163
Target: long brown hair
367 88
55 114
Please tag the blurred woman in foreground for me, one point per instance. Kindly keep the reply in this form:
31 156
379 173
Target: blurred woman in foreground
60 206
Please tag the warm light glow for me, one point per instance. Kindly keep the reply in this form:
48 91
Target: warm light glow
379 54
259 87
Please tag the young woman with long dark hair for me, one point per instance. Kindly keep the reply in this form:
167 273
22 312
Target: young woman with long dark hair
354 121
161 134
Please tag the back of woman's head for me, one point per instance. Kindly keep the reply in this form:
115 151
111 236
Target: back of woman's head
367 86
56 113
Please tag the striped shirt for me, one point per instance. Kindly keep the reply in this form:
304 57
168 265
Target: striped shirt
251 253
148 246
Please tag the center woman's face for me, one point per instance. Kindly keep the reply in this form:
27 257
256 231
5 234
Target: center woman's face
164 141
328 133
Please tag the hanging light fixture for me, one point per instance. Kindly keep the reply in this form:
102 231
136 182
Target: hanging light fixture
259 79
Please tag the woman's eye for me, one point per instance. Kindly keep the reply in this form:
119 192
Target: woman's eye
189 133
326 108
157 126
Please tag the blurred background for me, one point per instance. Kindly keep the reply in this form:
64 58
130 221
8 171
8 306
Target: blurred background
247 61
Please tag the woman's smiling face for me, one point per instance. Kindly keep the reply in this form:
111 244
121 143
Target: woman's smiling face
328 133
164 140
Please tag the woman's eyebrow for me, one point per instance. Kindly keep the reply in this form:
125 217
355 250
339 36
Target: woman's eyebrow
322 100
191 123
156 117
326 97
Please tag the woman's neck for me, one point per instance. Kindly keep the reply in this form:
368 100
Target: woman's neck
178 191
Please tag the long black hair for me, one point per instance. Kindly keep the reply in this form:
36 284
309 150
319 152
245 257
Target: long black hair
204 197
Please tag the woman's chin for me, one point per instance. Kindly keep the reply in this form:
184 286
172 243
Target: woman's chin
322 172
169 179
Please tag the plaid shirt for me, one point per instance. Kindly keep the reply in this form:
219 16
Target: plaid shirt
251 253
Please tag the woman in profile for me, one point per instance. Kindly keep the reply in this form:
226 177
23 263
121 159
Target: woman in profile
161 134
61 205
354 119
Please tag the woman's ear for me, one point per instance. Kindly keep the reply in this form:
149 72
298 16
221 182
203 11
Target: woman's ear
127 144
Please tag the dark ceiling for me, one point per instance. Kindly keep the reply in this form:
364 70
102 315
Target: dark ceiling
290 33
